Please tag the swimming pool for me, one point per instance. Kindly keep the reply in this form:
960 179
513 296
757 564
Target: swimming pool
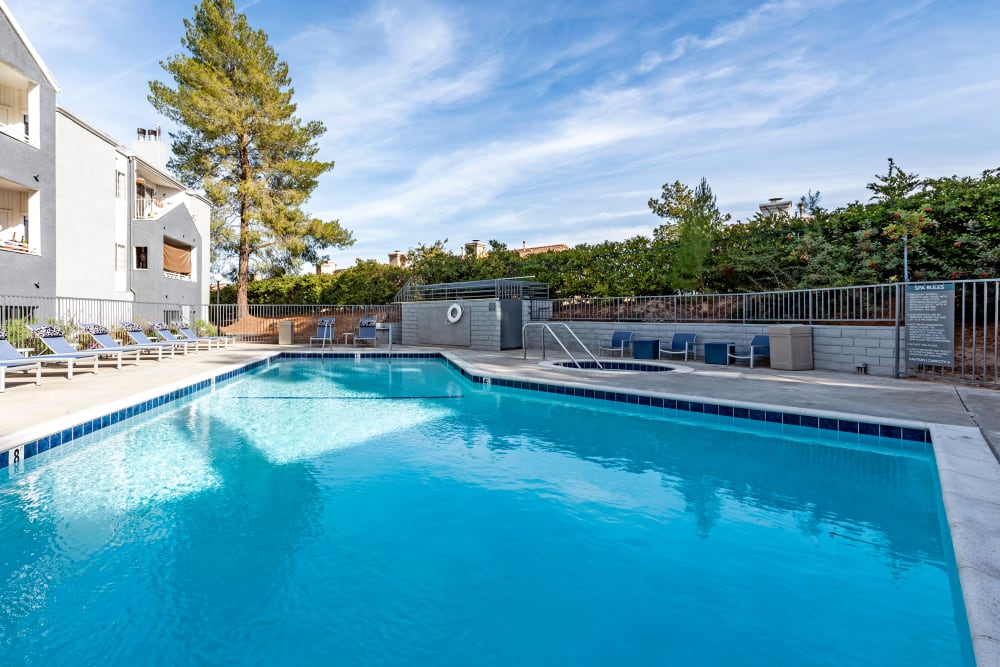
366 512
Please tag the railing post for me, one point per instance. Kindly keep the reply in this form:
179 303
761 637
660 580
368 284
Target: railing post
895 369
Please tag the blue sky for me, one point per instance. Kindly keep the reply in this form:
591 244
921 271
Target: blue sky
554 122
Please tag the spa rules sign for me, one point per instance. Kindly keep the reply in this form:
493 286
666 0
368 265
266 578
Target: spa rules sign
930 324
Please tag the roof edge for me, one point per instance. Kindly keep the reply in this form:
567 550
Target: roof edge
100 134
19 31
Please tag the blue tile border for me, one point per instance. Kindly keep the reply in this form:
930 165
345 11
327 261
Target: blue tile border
847 426
614 366
835 425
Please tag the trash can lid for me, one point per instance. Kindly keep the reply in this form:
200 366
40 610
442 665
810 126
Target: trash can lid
789 329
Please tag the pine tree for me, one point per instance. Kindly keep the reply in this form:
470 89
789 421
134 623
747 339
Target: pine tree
697 227
894 186
240 140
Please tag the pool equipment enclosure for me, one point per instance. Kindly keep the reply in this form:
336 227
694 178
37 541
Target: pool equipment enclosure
478 314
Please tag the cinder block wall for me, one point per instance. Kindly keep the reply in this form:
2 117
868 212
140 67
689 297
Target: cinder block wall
484 323
835 348
843 348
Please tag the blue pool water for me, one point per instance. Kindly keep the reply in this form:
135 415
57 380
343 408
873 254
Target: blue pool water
335 512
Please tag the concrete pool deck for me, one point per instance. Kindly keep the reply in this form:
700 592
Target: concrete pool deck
964 423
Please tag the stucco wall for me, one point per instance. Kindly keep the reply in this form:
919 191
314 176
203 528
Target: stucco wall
151 285
21 163
85 213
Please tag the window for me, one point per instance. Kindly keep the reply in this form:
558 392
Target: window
141 257
120 257
176 257
119 184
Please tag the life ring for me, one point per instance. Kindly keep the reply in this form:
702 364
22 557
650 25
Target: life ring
454 313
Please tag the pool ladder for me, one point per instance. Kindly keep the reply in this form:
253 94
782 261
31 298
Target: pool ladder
546 327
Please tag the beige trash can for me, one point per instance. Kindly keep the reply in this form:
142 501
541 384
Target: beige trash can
286 332
791 347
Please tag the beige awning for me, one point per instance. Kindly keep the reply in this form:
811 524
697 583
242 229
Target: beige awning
176 257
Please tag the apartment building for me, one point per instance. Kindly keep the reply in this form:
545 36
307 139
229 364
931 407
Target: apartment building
27 164
81 215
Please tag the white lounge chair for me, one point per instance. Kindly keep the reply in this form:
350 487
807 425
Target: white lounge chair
54 339
9 353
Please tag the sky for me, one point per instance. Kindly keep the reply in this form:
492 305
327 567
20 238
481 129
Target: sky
538 122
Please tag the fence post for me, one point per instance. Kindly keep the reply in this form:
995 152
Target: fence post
895 367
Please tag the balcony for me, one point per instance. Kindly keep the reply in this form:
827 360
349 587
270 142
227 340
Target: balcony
151 208
18 219
17 246
18 106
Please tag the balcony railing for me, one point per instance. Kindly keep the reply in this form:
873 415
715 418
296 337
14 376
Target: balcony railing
150 208
16 246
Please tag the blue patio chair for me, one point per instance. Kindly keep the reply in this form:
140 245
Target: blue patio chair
188 334
9 353
324 332
137 336
366 331
12 360
164 332
681 343
619 343
759 348
54 340
103 338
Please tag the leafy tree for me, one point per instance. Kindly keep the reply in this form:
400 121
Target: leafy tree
498 262
964 239
367 282
435 264
758 255
241 141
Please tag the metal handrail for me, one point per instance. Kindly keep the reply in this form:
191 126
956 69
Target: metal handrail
569 354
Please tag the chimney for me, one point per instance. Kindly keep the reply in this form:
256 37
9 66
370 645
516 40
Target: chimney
802 209
149 148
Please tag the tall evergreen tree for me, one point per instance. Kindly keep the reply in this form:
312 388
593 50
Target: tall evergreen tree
696 231
894 186
674 200
240 140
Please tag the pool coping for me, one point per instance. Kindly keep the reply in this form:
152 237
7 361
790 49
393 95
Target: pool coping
967 469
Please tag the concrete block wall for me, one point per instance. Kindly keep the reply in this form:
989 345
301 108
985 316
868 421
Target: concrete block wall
835 347
408 325
484 322
844 348
485 325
